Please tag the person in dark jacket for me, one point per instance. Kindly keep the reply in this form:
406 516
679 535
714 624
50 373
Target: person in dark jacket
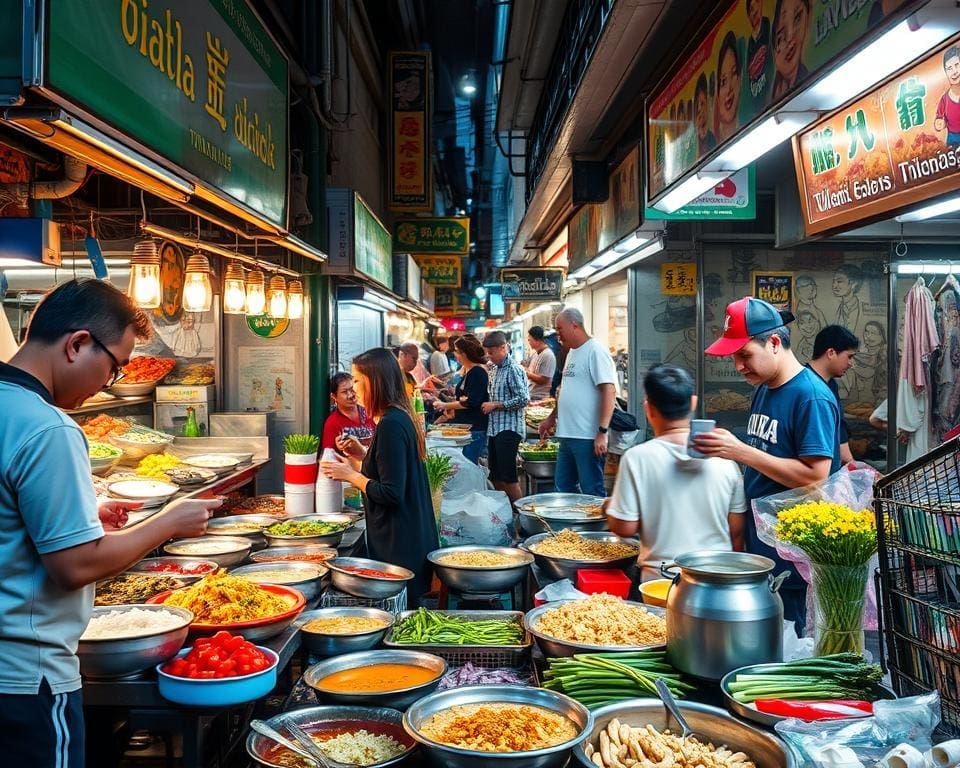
391 473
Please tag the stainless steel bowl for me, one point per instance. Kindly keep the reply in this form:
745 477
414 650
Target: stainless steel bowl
400 699
304 577
532 526
326 540
248 527
327 644
121 657
367 586
337 718
714 724
481 580
446 756
281 554
539 469
557 647
184 562
565 568
234 556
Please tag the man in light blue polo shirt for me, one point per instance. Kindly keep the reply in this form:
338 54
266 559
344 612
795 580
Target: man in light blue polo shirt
52 544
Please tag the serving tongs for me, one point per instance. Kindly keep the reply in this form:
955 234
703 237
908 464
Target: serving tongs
309 745
265 730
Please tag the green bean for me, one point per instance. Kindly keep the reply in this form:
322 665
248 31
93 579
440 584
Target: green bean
432 627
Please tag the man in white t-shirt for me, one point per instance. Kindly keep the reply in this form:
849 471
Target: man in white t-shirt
541 366
584 408
676 503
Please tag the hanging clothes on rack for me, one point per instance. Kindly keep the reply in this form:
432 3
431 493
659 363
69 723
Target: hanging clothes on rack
945 364
920 341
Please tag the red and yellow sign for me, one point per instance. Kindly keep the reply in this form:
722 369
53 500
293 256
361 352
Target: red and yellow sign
896 147
678 278
411 184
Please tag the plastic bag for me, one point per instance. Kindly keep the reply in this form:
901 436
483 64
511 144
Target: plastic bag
850 487
559 590
910 720
483 517
467 477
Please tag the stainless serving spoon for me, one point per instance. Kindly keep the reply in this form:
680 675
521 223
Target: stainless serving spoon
671 704
265 730
308 744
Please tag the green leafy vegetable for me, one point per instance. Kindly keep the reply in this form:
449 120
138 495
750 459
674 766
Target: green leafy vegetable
439 470
301 444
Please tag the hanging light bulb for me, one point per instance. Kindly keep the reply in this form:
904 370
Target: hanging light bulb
256 298
144 287
278 297
197 290
234 291
295 300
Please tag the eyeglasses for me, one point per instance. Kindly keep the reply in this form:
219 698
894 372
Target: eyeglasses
117 368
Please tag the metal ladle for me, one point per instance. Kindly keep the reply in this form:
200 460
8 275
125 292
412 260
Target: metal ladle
265 730
543 522
663 691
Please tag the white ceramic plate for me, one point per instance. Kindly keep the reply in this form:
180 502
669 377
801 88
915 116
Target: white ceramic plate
215 461
142 490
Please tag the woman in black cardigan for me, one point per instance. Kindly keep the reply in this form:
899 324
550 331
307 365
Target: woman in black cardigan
390 473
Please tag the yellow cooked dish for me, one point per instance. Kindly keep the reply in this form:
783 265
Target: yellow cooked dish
499 727
570 545
344 625
223 599
602 619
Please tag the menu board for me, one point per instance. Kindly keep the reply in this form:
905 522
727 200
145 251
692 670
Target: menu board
895 147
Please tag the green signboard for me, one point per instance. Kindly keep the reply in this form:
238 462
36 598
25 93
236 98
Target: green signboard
267 327
198 82
733 198
433 235
373 248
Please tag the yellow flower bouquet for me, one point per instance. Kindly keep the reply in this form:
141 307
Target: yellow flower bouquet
839 542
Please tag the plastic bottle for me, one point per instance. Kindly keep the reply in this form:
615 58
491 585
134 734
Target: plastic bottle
191 428
419 409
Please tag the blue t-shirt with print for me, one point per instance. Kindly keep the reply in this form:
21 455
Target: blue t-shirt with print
800 418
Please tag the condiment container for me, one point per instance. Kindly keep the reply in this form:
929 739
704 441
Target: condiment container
723 612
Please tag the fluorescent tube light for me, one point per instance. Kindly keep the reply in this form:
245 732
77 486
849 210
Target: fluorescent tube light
757 142
584 272
690 189
949 205
649 250
632 242
911 268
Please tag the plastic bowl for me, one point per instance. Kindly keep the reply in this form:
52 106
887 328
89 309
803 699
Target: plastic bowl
655 592
256 629
219 692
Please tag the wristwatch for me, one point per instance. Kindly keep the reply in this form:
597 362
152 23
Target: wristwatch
603 430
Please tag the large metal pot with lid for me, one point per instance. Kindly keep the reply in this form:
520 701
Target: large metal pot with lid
723 612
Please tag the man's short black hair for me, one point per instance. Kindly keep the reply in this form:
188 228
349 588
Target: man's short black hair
669 389
85 304
834 337
494 339
536 332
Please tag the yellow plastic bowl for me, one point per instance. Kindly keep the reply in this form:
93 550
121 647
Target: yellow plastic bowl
655 592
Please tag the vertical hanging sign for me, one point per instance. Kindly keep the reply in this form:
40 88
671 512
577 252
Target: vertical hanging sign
411 182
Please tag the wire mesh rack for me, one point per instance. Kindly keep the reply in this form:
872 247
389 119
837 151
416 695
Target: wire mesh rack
918 524
333 598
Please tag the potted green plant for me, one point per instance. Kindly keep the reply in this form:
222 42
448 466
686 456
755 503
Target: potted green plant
300 473
440 468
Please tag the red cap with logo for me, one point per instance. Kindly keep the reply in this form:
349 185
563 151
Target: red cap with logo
745 319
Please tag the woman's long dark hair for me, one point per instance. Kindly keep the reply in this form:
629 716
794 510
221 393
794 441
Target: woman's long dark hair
385 388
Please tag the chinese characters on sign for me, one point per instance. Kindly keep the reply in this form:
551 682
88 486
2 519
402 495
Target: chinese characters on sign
895 147
774 288
440 270
198 82
411 187
678 278
433 235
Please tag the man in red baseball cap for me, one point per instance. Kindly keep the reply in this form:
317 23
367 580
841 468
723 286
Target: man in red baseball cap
793 425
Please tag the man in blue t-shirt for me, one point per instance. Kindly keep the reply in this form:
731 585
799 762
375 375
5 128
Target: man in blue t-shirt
833 352
792 429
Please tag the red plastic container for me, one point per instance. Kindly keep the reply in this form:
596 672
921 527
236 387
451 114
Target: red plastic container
613 582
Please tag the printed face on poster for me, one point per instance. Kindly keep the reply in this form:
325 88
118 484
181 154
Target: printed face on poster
267 380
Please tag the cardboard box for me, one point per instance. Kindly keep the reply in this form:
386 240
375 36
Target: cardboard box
186 393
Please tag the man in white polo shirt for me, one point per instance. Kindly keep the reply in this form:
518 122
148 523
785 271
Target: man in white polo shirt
52 544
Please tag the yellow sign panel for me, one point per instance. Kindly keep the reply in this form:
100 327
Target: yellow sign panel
678 278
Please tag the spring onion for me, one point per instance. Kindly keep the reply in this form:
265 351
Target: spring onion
301 444
434 627
838 676
595 679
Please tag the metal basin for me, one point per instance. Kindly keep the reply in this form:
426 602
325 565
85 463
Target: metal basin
326 540
306 578
305 553
235 555
446 756
532 526
245 527
557 647
564 568
121 657
186 563
328 644
539 469
359 585
400 699
481 580
709 723
336 718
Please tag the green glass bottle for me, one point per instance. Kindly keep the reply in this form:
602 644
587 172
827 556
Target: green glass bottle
191 428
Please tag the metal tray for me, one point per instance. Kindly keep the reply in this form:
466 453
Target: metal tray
556 502
747 712
482 655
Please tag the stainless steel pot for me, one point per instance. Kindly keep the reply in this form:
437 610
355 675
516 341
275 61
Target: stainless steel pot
723 612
